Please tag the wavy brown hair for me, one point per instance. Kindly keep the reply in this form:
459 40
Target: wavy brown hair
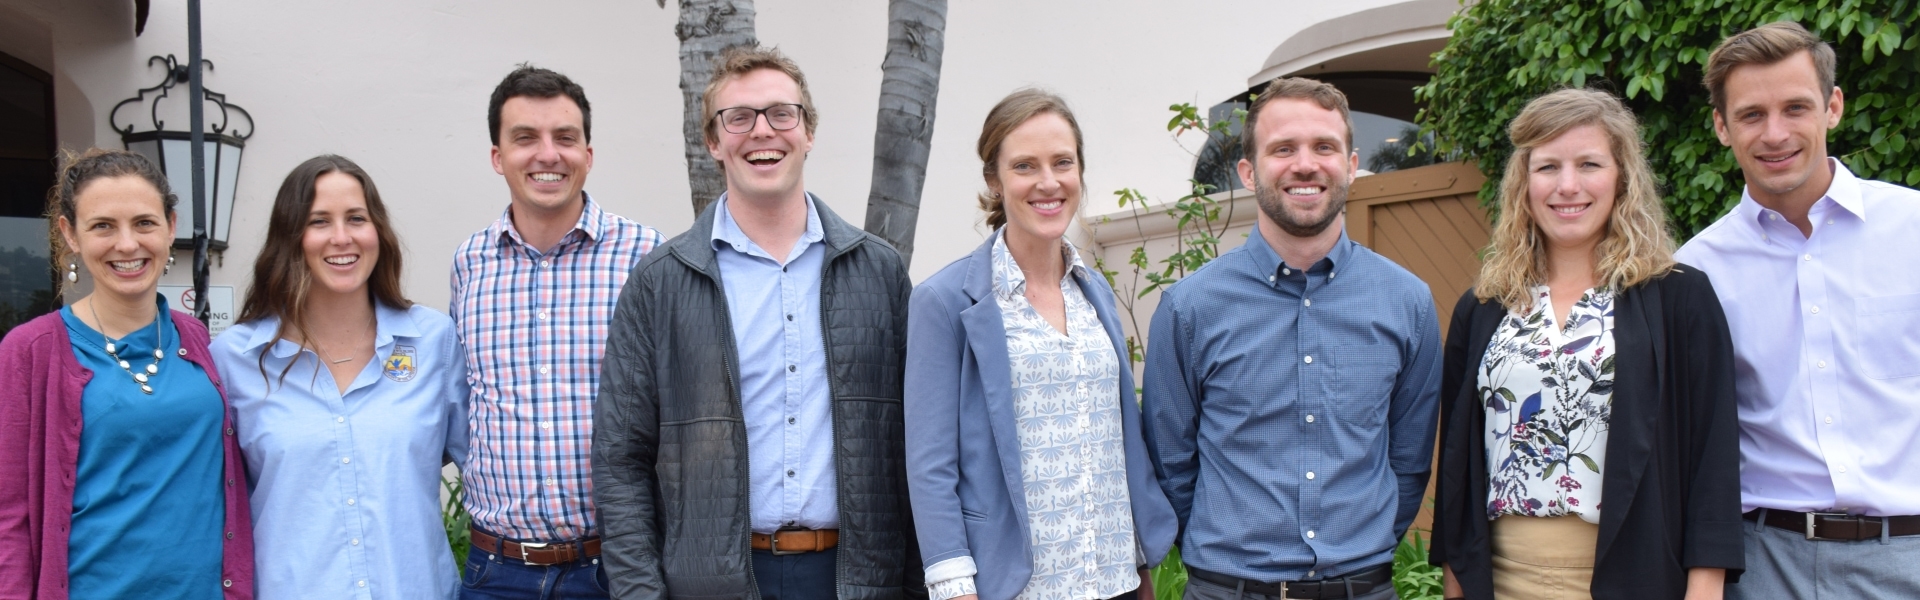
1636 245
281 281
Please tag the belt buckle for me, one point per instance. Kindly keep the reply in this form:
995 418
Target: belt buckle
1814 517
773 542
524 546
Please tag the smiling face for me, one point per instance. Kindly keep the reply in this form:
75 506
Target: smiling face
1572 182
1037 176
122 233
761 165
1301 166
1776 122
543 153
341 243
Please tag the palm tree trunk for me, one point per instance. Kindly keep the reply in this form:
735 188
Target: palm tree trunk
706 28
902 139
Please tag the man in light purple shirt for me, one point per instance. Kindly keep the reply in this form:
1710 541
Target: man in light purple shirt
1819 272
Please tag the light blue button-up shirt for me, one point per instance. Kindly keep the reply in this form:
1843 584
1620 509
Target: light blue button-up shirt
1826 345
774 306
346 487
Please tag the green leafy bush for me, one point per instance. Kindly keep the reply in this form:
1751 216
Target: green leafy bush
1653 53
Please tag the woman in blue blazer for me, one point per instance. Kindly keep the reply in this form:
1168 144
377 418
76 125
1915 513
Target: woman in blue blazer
1028 474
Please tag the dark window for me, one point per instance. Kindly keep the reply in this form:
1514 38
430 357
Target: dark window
26 173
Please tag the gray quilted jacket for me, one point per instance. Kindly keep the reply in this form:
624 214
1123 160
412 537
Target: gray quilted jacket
670 446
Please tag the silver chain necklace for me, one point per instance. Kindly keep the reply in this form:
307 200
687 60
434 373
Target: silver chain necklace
159 337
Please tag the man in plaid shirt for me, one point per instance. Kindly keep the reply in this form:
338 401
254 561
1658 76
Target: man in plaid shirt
532 296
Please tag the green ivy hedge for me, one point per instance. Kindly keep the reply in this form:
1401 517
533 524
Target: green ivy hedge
1652 53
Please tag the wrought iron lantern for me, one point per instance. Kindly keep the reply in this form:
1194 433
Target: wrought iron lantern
171 150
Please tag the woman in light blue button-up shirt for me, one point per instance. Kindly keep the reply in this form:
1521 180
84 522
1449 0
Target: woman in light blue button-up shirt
350 399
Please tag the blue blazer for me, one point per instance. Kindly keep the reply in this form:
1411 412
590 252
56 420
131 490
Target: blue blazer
963 452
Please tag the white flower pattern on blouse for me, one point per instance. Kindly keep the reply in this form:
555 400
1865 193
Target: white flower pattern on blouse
1548 393
1072 453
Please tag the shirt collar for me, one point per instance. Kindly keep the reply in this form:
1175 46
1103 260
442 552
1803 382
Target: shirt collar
1267 261
727 233
1843 192
591 224
389 322
1010 280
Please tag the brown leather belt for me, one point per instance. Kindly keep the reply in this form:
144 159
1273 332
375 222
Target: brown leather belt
541 554
1836 526
796 541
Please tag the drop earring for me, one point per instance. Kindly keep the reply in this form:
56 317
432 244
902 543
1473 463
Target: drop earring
169 268
73 273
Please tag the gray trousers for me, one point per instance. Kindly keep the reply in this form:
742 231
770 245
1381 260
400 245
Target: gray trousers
1207 590
1783 565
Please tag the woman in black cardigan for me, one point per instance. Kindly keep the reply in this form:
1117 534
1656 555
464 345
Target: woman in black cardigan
1589 444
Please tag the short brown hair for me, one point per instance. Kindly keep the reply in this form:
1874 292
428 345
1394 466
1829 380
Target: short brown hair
1013 111
1301 88
77 171
1766 45
741 60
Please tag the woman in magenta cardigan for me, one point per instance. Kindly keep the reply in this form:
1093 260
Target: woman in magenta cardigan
120 476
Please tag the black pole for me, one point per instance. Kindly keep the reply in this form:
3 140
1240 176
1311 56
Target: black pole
197 98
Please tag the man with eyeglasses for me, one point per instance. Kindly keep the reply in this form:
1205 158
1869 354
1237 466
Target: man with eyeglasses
748 439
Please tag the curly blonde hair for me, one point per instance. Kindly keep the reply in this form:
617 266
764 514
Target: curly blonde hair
1636 245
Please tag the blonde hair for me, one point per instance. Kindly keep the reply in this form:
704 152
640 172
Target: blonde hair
1636 244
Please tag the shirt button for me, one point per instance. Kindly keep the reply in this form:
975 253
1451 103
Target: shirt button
1822 364
1309 535
550 482
789 420
226 583
789 317
1773 217
1816 310
1843 469
545 264
339 419
350 502
183 351
355 541
346 459
1309 474
546 425
363 583
229 535
1329 274
229 431
1308 302
1829 420
792 368
789 472
543 316
1309 418
1286 271
1309 359
543 370
1807 257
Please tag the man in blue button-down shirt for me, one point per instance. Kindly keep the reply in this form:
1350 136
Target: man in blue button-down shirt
1291 410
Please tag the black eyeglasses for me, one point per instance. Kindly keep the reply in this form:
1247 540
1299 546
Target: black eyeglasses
780 117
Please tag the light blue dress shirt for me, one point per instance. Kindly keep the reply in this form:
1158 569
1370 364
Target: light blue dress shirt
774 306
1826 344
1292 412
346 487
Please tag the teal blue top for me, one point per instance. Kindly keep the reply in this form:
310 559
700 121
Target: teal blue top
147 502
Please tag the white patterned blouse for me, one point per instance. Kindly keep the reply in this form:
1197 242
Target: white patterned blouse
1548 392
1072 453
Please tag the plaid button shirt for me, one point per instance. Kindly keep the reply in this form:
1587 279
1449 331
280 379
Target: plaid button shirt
534 326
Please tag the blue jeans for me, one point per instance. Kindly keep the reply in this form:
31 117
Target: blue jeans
492 576
804 576
1784 565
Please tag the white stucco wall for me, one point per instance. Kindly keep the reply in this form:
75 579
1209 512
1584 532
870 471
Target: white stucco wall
401 87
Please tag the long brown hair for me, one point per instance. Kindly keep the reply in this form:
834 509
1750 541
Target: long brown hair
1636 244
281 280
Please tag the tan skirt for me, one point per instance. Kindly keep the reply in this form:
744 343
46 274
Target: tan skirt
1543 558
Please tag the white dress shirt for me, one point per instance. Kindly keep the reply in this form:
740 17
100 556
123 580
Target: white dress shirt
1826 332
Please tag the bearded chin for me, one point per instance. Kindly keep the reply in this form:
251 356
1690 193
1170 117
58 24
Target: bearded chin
1273 202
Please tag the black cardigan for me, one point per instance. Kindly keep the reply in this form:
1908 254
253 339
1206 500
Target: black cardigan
1672 484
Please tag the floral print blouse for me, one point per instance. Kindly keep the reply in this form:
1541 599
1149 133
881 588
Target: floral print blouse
1072 453
1548 391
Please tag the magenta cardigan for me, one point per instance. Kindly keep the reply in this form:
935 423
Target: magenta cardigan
40 385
